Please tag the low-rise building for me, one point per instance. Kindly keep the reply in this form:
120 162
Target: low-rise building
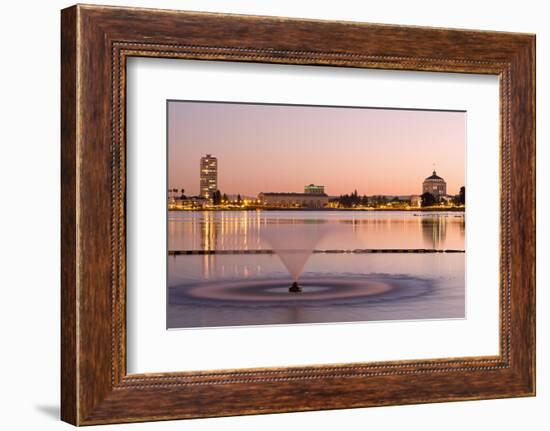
416 201
193 202
313 189
293 200
447 199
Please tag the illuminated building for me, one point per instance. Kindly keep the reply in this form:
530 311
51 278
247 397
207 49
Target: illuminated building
313 189
294 200
416 201
208 176
435 185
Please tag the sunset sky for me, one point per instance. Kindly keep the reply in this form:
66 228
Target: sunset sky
275 148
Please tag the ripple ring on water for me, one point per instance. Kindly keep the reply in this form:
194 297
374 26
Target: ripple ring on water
316 289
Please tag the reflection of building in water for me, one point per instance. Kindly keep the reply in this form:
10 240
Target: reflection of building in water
434 230
209 231
208 176
224 230
221 230
435 185
290 200
209 241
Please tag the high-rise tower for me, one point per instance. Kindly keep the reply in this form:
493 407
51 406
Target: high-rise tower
208 176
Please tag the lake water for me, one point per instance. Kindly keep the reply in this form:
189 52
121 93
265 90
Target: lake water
228 286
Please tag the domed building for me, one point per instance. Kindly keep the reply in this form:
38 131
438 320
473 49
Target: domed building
435 185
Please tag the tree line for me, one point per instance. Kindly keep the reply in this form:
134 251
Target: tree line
427 199
353 199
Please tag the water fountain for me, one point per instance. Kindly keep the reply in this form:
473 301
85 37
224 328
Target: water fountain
336 287
294 244
294 287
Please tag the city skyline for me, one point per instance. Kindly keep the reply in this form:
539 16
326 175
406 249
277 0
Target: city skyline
281 148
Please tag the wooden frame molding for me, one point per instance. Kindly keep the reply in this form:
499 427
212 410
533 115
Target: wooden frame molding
95 43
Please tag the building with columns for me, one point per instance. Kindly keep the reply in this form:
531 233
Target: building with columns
435 185
313 189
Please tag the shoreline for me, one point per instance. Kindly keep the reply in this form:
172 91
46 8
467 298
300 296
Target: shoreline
420 209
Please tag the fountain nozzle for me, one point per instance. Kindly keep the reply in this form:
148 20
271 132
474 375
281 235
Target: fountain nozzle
294 288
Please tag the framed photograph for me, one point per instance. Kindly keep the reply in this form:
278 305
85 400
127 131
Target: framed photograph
252 242
263 214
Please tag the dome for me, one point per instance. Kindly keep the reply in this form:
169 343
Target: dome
434 176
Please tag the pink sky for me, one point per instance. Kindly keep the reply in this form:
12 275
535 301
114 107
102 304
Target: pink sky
276 148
